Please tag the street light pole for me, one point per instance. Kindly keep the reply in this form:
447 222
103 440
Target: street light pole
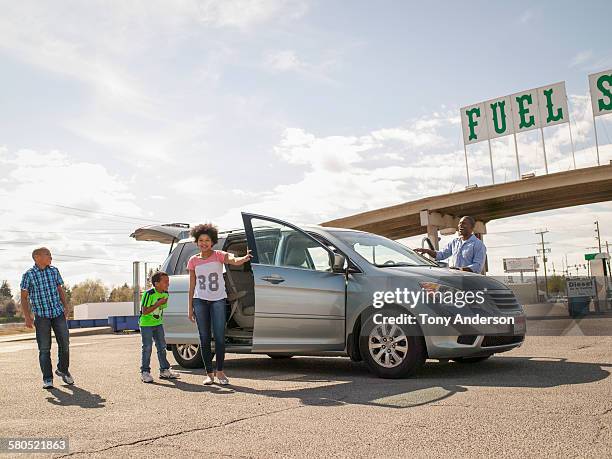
598 237
542 233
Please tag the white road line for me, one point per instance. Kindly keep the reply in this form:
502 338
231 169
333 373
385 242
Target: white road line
29 346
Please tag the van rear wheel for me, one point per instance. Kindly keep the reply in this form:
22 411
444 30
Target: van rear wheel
187 355
391 351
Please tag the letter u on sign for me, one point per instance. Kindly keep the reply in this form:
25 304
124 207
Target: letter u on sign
499 117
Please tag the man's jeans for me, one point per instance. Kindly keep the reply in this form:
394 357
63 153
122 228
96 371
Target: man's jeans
207 312
43 339
148 335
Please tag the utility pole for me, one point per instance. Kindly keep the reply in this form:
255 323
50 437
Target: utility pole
542 233
598 237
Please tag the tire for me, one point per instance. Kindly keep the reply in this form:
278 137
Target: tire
280 356
188 355
403 360
471 359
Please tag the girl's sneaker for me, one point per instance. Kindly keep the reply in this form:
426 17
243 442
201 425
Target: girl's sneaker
209 380
146 377
223 380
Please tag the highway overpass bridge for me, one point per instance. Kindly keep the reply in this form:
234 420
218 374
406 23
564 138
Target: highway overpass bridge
429 215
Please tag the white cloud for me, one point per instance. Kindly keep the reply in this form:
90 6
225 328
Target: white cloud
526 16
245 13
40 198
581 58
412 137
349 174
283 61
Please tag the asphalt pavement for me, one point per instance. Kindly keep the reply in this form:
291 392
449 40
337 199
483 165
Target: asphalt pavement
551 397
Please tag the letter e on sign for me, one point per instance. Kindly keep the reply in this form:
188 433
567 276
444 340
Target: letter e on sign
525 113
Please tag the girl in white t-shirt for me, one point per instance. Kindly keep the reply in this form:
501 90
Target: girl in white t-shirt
207 296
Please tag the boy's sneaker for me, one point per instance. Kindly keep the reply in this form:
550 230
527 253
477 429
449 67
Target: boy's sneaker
48 384
209 380
223 380
146 377
167 374
66 377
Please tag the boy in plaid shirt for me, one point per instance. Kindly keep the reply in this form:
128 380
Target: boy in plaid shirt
42 295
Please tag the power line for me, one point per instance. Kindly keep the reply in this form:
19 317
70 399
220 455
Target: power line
80 209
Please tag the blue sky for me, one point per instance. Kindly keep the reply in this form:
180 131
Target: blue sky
191 111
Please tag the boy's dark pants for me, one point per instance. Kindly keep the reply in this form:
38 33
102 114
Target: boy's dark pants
43 339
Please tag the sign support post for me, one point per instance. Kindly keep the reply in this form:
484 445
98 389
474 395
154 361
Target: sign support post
544 149
596 141
569 125
518 164
467 169
491 159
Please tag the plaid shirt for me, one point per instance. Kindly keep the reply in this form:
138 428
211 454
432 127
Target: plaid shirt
41 285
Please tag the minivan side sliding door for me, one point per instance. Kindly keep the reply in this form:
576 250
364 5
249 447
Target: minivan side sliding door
299 301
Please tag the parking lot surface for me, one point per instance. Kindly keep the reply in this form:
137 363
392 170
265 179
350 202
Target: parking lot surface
551 397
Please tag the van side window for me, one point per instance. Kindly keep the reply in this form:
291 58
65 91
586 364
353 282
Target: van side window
280 245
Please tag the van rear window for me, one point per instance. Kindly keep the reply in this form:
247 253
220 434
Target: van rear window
189 250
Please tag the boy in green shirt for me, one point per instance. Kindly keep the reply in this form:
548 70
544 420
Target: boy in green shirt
152 306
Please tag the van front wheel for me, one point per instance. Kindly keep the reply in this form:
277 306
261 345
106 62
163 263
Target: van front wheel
391 351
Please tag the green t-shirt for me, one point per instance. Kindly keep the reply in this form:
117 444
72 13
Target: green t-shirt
155 317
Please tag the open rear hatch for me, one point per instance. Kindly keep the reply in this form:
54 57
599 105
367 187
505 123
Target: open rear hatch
168 233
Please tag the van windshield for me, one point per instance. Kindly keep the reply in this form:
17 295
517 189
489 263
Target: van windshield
380 251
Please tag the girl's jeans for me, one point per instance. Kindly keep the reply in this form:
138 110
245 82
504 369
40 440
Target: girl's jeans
207 313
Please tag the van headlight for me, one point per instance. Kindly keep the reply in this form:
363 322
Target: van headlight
436 293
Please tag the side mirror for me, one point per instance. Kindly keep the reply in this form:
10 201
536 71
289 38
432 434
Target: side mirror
338 263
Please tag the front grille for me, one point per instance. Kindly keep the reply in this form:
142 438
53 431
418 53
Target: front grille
466 339
504 299
502 340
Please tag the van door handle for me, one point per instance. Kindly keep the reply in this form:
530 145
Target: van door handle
274 279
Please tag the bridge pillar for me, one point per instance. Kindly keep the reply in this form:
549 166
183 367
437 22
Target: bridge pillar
432 234
479 231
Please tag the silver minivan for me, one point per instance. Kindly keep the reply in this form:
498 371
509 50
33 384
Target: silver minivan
310 290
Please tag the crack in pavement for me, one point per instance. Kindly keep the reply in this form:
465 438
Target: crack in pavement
150 440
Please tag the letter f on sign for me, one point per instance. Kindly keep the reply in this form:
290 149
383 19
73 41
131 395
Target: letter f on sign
472 123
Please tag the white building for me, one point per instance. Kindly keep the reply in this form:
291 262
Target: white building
103 310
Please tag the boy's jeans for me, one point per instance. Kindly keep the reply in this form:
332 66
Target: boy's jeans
150 334
206 312
43 339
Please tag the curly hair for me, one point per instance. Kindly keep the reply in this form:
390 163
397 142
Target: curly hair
208 229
